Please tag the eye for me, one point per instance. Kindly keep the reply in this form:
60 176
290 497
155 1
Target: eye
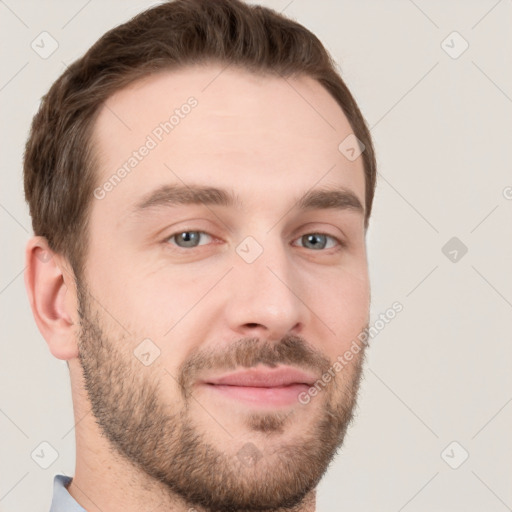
188 239
319 241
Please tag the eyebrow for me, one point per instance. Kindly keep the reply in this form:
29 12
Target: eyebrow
338 199
172 195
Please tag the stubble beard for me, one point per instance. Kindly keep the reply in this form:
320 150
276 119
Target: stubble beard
162 440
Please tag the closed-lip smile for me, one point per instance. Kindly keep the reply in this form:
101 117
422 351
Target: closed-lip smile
263 386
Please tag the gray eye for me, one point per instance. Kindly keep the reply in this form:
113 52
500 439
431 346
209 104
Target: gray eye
314 241
187 239
318 241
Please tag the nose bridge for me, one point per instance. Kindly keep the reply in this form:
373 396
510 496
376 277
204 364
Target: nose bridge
264 293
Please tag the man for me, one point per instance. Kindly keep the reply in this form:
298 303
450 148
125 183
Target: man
200 185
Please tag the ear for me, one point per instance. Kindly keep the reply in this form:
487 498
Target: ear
51 291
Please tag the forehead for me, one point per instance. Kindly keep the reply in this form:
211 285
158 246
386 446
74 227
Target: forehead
262 135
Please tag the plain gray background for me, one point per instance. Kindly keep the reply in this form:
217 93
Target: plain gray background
439 373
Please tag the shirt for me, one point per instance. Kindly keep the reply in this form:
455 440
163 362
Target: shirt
63 501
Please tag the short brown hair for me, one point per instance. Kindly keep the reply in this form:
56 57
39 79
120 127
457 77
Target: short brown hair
59 161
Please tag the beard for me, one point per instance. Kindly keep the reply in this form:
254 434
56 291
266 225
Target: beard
265 470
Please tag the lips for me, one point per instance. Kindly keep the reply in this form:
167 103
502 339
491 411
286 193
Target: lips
262 387
264 378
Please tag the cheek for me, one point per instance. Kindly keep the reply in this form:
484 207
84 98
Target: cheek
345 306
159 306
169 309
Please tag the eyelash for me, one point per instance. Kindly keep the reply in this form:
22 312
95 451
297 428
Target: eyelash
340 243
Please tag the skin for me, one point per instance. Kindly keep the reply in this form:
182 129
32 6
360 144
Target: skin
205 306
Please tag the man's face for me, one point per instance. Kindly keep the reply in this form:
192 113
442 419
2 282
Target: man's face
203 323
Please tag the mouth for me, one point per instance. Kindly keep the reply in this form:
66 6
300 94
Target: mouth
264 387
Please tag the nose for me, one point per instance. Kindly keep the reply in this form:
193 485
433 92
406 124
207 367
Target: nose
266 299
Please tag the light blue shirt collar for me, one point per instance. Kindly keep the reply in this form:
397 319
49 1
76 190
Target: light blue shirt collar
63 501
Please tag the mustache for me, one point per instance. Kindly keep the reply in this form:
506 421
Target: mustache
249 352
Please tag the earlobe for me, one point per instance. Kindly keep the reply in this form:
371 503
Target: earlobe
52 297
